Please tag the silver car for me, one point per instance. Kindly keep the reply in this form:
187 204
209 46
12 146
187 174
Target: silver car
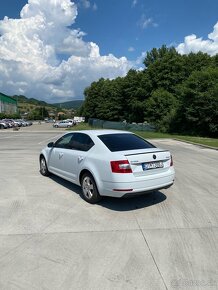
63 124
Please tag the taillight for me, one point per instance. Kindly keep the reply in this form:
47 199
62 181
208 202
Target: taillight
171 161
121 166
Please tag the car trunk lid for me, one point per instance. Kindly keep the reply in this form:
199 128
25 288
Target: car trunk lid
148 161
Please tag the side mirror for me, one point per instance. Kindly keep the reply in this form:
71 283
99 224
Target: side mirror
51 144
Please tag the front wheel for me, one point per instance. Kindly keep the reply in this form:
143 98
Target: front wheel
43 167
89 189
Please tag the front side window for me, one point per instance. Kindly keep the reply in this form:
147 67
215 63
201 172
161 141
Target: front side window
64 141
75 141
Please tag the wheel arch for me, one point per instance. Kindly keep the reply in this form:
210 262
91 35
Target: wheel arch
95 176
42 155
82 173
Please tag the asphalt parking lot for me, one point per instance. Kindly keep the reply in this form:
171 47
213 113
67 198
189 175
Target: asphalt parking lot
51 239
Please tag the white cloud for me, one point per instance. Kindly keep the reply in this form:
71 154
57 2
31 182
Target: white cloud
138 63
193 44
131 49
95 7
145 22
85 3
134 2
33 47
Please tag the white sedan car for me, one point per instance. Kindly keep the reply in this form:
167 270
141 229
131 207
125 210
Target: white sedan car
108 163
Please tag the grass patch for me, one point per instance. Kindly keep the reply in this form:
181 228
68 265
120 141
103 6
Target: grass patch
213 142
152 135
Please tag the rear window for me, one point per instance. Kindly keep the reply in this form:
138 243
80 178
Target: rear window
123 142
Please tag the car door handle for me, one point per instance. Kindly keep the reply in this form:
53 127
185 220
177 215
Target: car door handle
80 158
61 155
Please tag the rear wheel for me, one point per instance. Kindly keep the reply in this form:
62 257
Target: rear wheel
89 188
43 167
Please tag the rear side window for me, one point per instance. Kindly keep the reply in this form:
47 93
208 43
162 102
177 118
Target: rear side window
123 142
81 142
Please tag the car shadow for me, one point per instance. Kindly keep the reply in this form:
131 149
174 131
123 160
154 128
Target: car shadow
118 204
133 203
67 184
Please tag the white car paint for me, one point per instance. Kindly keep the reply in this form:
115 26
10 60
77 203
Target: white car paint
69 164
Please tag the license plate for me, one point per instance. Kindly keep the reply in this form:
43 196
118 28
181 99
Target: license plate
152 165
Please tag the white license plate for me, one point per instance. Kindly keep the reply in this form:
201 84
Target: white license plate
152 165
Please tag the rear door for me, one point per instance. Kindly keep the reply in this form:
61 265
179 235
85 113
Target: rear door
74 158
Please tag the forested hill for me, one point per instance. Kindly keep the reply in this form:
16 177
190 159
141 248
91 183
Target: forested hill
23 99
177 93
70 105
65 105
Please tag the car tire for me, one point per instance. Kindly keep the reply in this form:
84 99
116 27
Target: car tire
43 167
89 189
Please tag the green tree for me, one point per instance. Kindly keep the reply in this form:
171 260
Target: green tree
39 113
170 92
196 62
157 54
167 71
93 99
198 112
160 109
136 89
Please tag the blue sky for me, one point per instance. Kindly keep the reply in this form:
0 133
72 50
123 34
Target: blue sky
117 25
93 39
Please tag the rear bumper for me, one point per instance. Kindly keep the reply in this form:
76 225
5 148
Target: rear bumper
131 194
120 189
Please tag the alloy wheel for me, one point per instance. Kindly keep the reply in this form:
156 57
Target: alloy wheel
88 187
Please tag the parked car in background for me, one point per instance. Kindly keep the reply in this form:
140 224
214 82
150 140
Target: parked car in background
108 163
63 124
11 123
29 123
71 121
3 125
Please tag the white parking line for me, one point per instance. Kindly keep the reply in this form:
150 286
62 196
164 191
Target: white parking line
11 136
49 139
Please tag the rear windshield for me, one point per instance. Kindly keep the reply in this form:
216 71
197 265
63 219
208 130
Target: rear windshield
123 142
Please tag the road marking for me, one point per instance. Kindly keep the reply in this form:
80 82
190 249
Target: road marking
49 139
11 136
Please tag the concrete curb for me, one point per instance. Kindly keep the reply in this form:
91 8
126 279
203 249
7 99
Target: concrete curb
193 143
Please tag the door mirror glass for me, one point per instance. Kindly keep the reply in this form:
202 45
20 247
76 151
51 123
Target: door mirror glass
51 144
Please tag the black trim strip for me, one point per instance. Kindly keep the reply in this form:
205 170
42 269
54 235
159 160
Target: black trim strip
147 153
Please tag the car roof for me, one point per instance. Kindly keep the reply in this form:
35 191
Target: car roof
101 132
